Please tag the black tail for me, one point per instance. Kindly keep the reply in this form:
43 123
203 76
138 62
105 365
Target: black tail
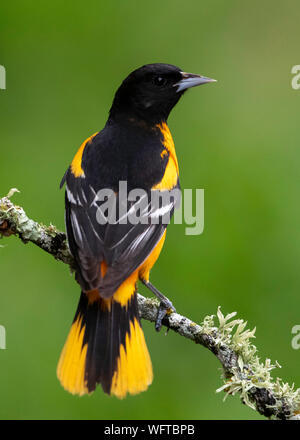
106 345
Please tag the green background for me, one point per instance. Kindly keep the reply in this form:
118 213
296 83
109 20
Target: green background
238 139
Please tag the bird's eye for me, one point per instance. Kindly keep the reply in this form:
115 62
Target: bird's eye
159 81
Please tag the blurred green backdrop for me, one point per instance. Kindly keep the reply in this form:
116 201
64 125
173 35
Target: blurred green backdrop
238 139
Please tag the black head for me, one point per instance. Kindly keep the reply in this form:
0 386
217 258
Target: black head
150 92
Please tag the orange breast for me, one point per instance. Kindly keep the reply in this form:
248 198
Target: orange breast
144 270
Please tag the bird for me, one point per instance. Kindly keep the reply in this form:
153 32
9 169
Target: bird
106 344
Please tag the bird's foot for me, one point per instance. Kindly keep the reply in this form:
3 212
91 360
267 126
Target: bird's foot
165 308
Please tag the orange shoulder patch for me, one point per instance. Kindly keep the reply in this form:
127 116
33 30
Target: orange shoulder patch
170 177
76 167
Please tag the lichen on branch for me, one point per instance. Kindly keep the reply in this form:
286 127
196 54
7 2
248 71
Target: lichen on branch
227 338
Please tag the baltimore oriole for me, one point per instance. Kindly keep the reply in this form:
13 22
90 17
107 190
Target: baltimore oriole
106 344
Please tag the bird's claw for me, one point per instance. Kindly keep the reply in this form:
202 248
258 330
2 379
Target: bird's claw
165 308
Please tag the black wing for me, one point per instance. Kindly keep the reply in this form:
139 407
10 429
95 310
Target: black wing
123 242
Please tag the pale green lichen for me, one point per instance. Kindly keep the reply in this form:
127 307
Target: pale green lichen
208 325
11 192
52 230
230 340
249 373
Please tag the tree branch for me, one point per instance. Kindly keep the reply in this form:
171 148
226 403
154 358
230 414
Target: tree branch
228 340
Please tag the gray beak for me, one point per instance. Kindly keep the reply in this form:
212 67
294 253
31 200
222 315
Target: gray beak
191 80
